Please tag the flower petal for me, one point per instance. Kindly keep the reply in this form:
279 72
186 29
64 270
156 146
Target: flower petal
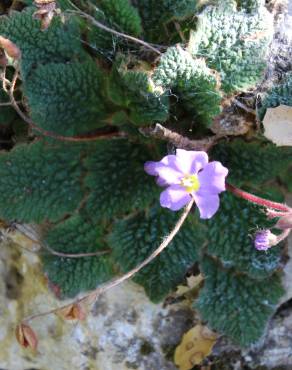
161 182
151 166
212 178
208 204
167 169
174 197
191 162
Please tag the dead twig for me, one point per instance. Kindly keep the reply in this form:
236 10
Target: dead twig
182 142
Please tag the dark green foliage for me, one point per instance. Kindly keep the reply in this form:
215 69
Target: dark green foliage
118 15
233 43
78 79
40 182
251 5
252 163
134 90
235 304
122 15
7 113
231 232
136 237
59 43
286 178
75 275
117 180
277 95
103 42
195 83
55 90
156 14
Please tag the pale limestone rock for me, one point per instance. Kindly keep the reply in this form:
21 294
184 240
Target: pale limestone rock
278 125
123 331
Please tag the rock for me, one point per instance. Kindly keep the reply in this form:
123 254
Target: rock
123 331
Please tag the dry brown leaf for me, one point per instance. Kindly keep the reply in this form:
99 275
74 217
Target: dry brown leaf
278 125
193 283
26 337
75 311
11 49
196 344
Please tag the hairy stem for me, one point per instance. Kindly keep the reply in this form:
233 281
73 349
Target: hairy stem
27 233
257 200
282 236
91 297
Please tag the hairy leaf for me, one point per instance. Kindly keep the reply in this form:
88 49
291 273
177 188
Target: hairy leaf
59 43
123 15
235 304
117 180
230 234
40 182
7 113
280 94
74 275
195 83
134 90
66 98
155 14
252 163
136 237
234 43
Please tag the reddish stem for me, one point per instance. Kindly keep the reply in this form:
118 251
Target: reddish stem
257 200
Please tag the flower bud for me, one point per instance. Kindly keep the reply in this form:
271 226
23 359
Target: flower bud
264 240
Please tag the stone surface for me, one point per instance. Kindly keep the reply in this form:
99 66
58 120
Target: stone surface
123 331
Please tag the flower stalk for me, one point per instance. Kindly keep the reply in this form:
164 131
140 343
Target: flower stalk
257 200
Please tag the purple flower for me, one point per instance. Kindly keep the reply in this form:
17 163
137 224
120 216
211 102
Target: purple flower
188 174
264 240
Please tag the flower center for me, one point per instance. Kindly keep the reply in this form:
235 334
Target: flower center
190 183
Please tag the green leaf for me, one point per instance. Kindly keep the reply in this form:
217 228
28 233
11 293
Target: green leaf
103 42
123 15
280 94
66 98
252 163
234 43
136 237
286 178
74 275
156 14
40 181
134 90
7 113
236 305
195 83
117 180
59 43
231 232
251 5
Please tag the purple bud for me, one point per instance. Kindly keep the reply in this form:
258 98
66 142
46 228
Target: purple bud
264 240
